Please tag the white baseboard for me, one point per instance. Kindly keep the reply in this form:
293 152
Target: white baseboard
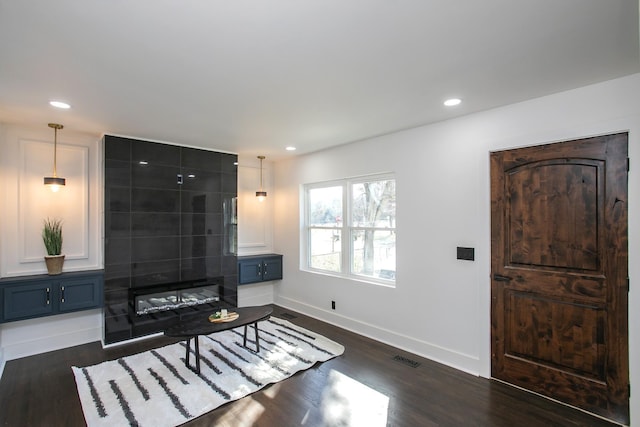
460 361
131 340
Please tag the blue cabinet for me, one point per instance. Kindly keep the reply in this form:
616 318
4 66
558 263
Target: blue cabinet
259 268
36 296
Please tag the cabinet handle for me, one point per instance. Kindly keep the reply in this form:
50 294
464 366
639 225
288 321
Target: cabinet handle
48 296
179 176
265 268
62 289
259 269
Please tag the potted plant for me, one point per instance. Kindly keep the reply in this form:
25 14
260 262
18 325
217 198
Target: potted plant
52 238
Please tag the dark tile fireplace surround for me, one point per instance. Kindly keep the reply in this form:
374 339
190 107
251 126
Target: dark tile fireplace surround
170 235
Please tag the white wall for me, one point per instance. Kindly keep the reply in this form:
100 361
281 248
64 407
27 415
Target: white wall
441 306
27 156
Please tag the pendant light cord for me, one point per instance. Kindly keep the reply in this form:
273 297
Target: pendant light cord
55 151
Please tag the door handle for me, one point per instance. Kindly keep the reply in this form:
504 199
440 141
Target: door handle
500 278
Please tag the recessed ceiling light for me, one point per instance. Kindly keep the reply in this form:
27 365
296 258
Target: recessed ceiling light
290 148
452 102
60 104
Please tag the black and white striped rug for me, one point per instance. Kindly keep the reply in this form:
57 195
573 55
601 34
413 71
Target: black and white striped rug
155 388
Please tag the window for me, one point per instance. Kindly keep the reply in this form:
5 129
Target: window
350 228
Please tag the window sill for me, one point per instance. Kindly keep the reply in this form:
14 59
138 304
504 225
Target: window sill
353 278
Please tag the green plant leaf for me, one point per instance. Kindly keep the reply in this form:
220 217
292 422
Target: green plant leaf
52 236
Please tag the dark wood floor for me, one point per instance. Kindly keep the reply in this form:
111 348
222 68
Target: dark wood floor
40 390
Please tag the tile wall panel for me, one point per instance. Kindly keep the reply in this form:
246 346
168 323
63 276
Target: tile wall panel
160 231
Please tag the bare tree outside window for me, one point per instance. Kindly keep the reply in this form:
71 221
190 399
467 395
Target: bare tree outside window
373 222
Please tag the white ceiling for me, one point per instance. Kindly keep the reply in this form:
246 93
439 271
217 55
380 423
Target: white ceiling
253 76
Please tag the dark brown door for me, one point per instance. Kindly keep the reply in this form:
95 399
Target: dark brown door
559 265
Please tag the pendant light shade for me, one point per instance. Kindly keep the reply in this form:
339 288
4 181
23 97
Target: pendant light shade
261 194
54 182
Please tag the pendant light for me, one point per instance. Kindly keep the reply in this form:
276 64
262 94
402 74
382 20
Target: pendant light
54 181
261 195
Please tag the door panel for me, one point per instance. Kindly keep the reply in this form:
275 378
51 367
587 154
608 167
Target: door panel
559 334
553 214
559 268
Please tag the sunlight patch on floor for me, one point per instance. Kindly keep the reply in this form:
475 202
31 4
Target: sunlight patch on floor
272 390
347 402
245 413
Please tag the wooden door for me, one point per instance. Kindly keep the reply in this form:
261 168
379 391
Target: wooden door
559 264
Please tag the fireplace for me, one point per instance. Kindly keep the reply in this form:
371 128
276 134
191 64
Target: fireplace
154 308
174 297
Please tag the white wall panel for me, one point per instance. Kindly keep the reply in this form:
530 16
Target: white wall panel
37 202
255 218
255 224
26 159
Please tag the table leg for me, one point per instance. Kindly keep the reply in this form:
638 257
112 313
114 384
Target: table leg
197 354
255 327
196 347
244 341
186 357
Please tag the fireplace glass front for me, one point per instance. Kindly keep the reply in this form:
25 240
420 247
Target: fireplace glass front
154 308
176 299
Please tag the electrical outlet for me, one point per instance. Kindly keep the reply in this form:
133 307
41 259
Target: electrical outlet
333 305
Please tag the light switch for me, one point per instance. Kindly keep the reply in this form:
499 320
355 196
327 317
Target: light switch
467 254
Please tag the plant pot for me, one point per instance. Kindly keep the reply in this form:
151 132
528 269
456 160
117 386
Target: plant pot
54 264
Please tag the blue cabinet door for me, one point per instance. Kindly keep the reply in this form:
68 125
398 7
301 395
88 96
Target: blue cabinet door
25 301
250 271
80 294
272 268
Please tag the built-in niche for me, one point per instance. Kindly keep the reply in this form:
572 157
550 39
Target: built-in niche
170 224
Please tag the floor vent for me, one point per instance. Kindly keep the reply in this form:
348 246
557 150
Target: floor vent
287 316
406 361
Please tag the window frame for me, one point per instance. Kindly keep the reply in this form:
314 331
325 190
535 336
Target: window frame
346 229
